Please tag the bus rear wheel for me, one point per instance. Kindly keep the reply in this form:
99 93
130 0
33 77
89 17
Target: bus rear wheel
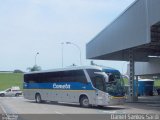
84 101
38 98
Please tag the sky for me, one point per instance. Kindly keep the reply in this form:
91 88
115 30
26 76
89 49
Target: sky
31 26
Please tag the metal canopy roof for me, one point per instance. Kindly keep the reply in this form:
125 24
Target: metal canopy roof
138 28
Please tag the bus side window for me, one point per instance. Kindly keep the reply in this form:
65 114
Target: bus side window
26 79
99 83
29 78
55 77
80 76
74 76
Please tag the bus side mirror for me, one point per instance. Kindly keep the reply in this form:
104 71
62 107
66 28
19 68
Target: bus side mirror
111 78
106 78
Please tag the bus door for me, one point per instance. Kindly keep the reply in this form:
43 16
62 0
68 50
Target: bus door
99 84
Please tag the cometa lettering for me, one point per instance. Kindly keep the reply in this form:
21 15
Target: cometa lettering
66 86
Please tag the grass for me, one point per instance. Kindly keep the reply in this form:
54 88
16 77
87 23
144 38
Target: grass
125 81
8 80
157 83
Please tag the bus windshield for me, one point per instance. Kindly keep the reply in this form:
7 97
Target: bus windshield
113 84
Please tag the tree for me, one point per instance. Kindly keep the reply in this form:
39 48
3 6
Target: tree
34 68
17 71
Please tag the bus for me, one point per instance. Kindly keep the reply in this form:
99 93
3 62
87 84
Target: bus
87 85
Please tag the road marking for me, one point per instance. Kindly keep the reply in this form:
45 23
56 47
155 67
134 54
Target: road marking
3 109
6 114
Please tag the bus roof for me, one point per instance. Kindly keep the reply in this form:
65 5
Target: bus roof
66 69
108 69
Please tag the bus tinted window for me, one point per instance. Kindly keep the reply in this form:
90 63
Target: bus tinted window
53 77
30 78
99 83
60 76
74 76
97 80
91 72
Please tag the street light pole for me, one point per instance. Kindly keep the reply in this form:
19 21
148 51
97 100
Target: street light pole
78 49
62 53
36 58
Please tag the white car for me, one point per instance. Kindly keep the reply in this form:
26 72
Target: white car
13 91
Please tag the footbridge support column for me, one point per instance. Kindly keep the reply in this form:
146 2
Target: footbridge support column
133 95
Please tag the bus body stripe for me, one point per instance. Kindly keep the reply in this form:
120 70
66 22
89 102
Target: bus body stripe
59 86
64 90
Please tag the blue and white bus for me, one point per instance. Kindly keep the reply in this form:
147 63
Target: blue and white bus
89 85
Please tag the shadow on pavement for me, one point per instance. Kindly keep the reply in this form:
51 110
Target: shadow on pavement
146 102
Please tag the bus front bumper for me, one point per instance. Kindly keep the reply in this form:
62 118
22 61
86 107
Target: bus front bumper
116 100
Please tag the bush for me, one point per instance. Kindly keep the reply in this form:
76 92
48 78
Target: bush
18 71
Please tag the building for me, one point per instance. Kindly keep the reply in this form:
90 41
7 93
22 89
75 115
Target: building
134 36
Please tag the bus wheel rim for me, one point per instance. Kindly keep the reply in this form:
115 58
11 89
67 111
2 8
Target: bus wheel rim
85 102
38 98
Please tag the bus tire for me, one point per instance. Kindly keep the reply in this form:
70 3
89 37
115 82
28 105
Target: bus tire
100 106
2 95
84 101
16 95
38 98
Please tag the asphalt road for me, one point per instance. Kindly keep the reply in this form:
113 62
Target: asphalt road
22 106
59 111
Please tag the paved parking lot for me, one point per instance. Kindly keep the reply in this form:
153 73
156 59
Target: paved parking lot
19 105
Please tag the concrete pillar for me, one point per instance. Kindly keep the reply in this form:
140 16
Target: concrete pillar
136 90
